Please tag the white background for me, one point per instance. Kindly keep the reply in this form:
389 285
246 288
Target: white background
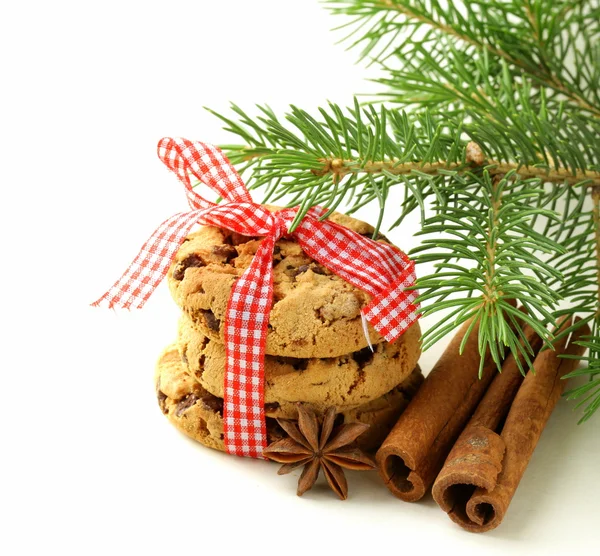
89 464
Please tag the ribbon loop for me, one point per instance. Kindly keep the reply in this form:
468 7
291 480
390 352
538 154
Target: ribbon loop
208 164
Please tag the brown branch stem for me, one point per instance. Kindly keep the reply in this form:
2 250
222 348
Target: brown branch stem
337 166
490 295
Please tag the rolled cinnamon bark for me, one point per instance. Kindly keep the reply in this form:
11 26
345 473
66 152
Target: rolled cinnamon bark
483 470
413 453
476 458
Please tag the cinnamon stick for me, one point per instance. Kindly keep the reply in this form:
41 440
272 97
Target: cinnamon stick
476 458
483 470
413 453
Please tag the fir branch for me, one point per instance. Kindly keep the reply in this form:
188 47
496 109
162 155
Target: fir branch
501 30
347 155
361 141
485 248
493 133
581 287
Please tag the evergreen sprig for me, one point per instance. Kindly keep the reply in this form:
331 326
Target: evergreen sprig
489 120
352 156
580 232
533 37
488 263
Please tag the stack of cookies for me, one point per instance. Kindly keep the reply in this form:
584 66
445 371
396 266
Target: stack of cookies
316 352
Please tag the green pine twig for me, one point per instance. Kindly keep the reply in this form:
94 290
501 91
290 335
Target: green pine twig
490 124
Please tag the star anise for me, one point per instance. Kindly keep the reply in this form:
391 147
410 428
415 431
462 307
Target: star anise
319 447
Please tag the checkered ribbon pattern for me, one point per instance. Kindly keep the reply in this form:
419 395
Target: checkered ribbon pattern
381 270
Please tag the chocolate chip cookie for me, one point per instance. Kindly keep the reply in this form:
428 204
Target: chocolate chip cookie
315 313
199 414
346 381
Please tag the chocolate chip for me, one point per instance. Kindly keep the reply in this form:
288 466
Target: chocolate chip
185 404
276 254
213 403
191 261
184 358
162 398
211 321
290 271
270 407
228 252
316 268
200 370
363 356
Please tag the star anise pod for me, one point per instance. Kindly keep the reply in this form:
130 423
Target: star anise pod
319 447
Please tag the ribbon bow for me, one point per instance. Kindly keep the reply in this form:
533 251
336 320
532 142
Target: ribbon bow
381 270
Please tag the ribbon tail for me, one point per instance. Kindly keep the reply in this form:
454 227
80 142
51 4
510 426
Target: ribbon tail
247 319
150 265
380 269
393 311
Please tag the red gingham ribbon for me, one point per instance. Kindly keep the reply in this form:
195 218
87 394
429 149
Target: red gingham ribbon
379 269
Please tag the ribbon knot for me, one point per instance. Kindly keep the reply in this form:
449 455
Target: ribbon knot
280 225
381 270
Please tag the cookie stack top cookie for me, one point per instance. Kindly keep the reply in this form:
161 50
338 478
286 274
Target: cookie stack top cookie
315 313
